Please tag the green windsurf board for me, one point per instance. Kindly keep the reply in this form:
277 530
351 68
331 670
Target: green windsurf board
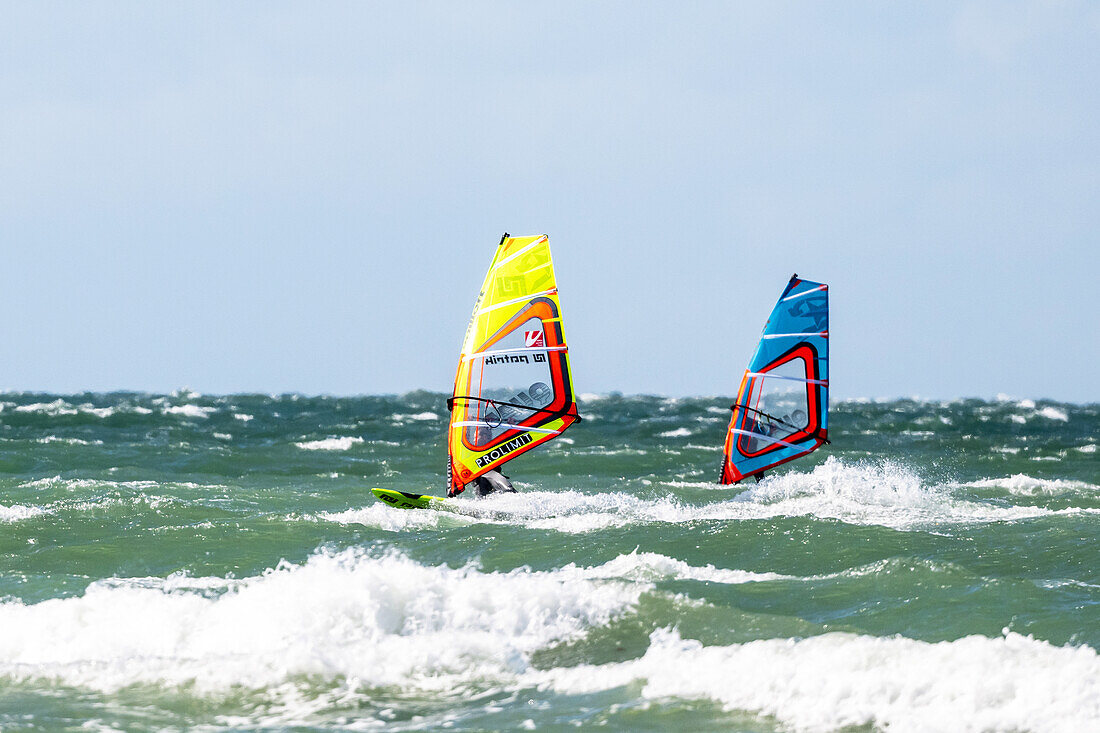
405 500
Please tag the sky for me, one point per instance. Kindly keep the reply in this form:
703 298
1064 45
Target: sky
283 197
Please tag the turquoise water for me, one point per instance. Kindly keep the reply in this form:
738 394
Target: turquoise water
177 561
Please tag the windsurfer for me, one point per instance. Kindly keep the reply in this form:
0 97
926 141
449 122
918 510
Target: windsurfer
490 482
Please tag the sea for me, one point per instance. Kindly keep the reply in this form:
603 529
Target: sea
207 562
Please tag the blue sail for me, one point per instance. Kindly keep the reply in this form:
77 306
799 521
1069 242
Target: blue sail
782 408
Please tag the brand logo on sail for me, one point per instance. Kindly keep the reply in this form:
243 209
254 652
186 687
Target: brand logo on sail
510 359
503 450
534 339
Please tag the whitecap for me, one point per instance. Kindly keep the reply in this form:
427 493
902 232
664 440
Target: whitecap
330 443
67 441
1053 413
389 619
190 410
54 409
840 680
419 417
16 512
882 494
386 518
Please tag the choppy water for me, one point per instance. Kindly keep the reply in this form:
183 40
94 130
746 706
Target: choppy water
183 560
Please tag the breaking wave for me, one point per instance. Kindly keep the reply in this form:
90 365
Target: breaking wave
384 619
329 444
839 680
883 494
366 621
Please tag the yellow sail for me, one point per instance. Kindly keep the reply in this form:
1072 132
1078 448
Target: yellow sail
513 390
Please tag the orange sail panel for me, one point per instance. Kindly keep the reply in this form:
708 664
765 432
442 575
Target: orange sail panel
513 389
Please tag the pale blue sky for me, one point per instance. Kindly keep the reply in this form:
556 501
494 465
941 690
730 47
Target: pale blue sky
304 197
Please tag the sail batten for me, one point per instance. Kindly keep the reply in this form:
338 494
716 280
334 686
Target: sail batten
495 352
513 388
782 406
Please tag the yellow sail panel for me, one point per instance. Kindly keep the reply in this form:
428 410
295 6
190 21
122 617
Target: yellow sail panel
513 389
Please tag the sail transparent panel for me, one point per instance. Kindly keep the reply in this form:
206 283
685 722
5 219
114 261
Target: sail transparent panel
779 405
511 380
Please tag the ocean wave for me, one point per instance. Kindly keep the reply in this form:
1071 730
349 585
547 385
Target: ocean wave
840 680
196 411
375 620
653 567
330 443
386 518
60 407
73 497
883 494
416 417
1029 411
1053 413
67 441
53 409
17 512
1024 485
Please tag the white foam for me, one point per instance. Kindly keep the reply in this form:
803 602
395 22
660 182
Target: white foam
841 680
386 518
242 416
53 409
190 410
652 567
1053 413
1024 485
382 620
418 416
1090 448
90 409
885 494
1048 412
16 512
882 494
330 443
677 433
67 441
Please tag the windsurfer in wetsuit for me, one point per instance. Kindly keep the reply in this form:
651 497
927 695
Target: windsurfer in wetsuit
490 482
493 482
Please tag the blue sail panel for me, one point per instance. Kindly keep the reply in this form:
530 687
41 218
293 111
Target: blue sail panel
782 408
